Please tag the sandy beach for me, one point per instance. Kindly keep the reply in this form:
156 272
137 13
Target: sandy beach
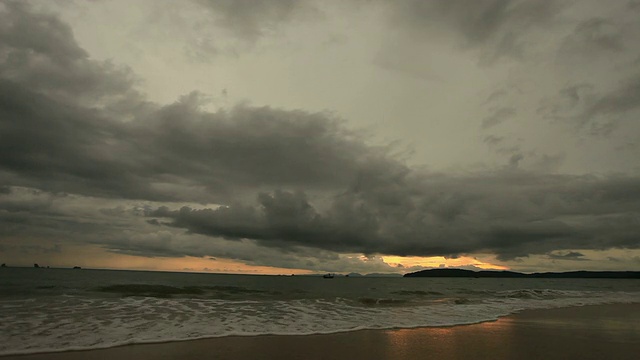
588 332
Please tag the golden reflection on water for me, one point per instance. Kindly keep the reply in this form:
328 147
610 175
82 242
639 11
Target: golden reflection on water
453 342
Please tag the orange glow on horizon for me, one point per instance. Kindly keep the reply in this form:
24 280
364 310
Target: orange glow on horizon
196 264
440 261
96 257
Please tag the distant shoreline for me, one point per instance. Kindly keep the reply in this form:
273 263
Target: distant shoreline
513 274
443 273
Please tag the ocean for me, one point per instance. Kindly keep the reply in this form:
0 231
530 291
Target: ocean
44 310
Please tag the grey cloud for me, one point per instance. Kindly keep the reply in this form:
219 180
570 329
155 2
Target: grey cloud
498 116
494 96
168 244
596 34
232 27
32 249
610 37
571 255
36 205
493 140
249 19
624 98
504 146
566 103
603 43
147 244
497 27
154 222
596 112
549 163
575 93
515 159
118 211
29 214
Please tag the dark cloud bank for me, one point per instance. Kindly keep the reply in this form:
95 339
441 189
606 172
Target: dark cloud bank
286 179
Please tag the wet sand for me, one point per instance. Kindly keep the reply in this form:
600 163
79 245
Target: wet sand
589 332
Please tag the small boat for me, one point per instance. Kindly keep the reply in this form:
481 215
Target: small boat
328 276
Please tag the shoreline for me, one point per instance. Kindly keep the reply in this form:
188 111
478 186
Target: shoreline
612 330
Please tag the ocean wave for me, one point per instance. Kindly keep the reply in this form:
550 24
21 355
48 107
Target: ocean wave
75 322
539 294
417 292
382 301
166 291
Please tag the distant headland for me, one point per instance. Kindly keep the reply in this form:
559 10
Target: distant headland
513 274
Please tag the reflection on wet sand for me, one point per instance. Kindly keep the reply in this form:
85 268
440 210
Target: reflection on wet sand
585 333
453 342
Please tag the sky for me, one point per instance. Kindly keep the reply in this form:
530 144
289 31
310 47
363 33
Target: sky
282 136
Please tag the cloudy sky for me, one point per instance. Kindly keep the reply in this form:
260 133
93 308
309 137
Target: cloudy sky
287 136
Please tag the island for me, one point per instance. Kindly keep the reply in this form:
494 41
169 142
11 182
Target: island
513 274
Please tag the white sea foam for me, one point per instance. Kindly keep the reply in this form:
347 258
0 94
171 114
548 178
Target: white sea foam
74 322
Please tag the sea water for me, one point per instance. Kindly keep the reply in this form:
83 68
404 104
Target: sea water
64 309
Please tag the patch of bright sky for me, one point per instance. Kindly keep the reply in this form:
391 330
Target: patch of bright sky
439 261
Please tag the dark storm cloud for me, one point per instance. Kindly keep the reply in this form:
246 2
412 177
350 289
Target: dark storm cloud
497 27
39 50
174 152
58 138
511 214
57 42
254 147
26 213
321 188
